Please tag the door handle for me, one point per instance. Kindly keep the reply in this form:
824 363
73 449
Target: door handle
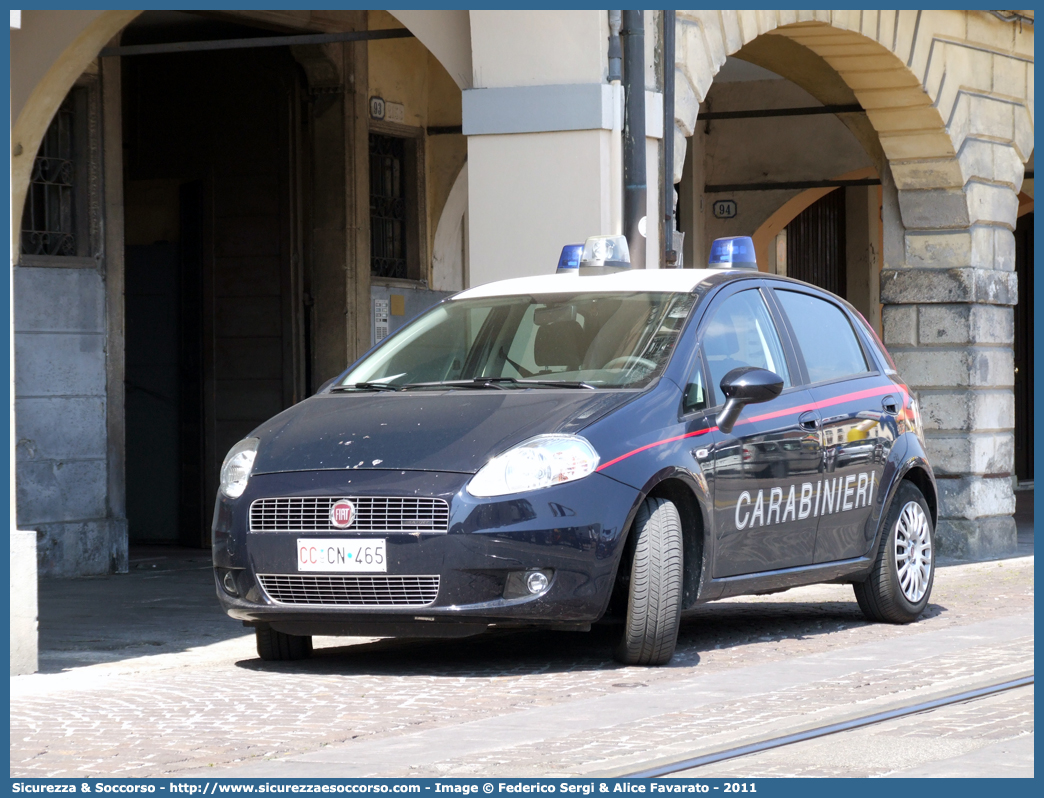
809 421
890 405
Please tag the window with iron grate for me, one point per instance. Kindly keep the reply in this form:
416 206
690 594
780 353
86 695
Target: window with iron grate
60 211
388 207
56 216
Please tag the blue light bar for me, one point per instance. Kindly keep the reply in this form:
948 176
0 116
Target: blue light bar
736 252
569 262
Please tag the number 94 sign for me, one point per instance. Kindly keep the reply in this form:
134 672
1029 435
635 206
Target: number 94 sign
724 209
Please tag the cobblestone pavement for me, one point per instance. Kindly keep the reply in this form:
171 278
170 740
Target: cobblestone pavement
897 747
218 706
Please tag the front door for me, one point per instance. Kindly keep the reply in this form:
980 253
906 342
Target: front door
763 469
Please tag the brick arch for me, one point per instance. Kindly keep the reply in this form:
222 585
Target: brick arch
48 93
926 79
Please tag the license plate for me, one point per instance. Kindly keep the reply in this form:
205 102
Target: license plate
342 555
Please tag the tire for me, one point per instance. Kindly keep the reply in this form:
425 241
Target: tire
654 594
273 646
889 594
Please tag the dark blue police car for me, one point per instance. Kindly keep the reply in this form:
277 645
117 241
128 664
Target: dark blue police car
559 450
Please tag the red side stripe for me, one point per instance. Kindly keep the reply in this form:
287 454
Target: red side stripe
848 397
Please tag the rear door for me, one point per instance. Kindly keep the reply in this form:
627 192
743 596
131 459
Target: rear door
763 470
857 404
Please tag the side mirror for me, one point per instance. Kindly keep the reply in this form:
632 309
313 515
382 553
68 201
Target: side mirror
745 386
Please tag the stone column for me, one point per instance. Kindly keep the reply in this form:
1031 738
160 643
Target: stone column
949 323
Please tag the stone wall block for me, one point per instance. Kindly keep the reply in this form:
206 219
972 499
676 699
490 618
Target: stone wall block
1003 249
1024 127
990 118
59 300
967 410
900 325
59 364
992 203
993 247
991 161
924 286
52 429
52 491
991 368
925 368
978 539
933 209
698 66
968 498
75 549
965 324
980 453
686 106
911 175
942 250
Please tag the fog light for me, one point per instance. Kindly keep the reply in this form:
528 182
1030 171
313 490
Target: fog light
228 581
536 582
523 584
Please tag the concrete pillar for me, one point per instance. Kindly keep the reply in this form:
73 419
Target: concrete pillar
539 122
23 602
949 323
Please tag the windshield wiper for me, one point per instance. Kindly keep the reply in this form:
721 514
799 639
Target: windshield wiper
557 384
477 383
499 383
366 386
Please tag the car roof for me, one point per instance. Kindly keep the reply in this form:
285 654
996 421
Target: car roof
631 280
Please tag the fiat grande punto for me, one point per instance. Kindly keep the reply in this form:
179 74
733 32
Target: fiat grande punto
561 450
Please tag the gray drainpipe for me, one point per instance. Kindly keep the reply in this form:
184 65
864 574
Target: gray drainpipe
634 190
670 257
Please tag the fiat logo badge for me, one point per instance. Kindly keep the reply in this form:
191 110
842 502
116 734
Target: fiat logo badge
342 514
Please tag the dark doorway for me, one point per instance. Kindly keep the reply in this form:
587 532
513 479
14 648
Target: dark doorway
1024 349
210 147
816 244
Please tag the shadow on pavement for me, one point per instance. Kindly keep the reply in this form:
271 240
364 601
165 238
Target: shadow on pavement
165 604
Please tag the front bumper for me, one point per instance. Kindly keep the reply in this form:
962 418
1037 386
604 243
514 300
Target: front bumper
574 531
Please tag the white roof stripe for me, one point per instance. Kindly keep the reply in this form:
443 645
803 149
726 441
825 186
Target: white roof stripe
672 280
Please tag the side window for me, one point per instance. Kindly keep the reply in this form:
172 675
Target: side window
825 336
695 390
741 333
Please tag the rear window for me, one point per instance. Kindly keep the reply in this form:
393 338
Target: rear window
826 337
877 344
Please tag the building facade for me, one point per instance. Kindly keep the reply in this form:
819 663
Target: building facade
203 234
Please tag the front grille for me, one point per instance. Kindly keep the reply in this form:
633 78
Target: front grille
351 591
372 514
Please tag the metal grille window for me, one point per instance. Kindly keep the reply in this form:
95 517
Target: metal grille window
49 221
388 218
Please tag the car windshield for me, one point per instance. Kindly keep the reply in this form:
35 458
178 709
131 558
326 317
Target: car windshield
592 340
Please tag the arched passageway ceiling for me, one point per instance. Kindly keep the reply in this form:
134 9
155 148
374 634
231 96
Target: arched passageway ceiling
447 35
925 78
812 73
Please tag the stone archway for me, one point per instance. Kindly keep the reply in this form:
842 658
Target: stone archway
950 97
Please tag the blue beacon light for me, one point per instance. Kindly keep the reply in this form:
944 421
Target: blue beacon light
569 261
736 252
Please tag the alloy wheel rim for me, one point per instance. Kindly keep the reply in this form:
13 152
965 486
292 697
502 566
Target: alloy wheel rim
913 552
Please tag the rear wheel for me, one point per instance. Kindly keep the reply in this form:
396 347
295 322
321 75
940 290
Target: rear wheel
900 584
275 646
654 593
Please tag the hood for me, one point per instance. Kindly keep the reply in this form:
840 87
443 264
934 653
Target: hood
421 430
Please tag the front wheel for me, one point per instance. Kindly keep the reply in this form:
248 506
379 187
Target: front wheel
273 646
900 584
654 593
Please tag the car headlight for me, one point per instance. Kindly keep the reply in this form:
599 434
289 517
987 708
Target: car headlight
540 462
235 471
